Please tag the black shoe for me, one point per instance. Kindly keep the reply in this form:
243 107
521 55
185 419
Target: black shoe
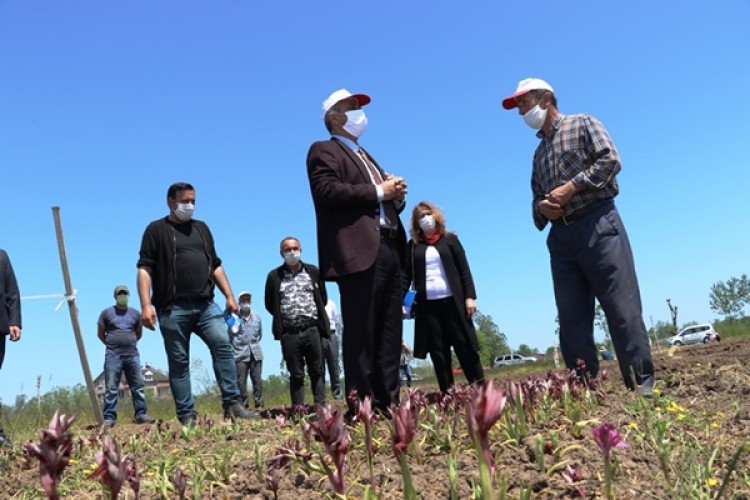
145 419
188 420
5 441
237 410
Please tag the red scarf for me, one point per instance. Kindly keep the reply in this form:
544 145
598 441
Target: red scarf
431 240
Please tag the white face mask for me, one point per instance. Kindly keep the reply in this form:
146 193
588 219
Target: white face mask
184 211
427 223
535 117
292 258
356 122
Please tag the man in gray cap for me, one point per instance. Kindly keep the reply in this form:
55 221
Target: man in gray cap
119 329
574 185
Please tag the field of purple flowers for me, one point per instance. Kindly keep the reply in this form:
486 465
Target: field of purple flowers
538 435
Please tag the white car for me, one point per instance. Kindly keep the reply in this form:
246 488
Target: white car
512 359
694 334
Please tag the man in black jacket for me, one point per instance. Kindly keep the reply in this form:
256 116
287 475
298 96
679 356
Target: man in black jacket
296 298
178 262
10 316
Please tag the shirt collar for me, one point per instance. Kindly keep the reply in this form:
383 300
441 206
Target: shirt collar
347 142
553 129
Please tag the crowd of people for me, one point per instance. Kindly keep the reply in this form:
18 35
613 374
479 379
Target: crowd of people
363 247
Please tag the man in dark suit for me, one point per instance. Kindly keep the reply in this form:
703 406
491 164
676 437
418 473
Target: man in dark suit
10 316
361 244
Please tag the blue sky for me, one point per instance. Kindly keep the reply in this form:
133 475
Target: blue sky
104 104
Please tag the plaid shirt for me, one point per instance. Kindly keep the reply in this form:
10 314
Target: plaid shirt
579 149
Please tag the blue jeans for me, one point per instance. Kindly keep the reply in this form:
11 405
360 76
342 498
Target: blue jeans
114 366
205 319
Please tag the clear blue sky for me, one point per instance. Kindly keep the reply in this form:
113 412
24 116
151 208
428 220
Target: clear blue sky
104 104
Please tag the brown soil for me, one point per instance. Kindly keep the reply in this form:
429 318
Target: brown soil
710 383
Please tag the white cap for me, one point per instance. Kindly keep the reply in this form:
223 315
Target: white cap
340 95
244 292
524 87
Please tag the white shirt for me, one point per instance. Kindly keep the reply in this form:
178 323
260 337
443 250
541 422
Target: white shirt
436 282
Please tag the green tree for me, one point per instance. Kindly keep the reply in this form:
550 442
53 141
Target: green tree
492 342
730 297
525 350
600 320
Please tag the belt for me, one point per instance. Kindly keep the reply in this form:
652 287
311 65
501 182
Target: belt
297 329
388 233
579 214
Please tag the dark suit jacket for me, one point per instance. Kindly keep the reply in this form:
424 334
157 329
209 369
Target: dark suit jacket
459 278
10 301
347 210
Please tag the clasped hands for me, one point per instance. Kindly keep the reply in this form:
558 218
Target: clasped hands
553 205
394 188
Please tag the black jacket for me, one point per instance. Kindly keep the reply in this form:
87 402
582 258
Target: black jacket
459 277
10 300
158 252
273 300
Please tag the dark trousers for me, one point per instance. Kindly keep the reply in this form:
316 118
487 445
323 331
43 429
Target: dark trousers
591 258
330 348
254 368
373 327
300 349
446 330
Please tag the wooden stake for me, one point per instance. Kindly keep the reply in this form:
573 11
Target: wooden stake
74 317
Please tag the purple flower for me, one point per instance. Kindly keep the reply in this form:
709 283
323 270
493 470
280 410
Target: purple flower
53 452
607 437
404 426
111 468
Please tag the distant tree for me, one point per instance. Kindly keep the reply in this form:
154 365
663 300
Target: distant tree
730 297
600 320
662 330
550 352
492 342
525 350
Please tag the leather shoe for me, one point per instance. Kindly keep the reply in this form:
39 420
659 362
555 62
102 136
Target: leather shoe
237 410
145 419
188 420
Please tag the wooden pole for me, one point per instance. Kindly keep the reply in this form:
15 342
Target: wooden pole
74 316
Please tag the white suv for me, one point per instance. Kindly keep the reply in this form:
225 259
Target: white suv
694 334
512 359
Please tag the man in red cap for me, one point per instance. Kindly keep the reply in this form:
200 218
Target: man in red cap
361 244
574 185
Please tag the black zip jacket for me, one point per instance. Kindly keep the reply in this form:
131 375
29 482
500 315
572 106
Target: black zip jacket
159 255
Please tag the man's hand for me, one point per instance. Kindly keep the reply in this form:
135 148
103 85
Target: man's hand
471 307
232 304
561 195
552 211
15 333
394 188
148 318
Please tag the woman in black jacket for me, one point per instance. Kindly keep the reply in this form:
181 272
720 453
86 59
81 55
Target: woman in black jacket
437 264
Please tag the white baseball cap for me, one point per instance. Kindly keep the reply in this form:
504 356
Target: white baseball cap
524 87
340 95
243 293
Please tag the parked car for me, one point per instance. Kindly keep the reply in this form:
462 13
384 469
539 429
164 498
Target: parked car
512 359
694 334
